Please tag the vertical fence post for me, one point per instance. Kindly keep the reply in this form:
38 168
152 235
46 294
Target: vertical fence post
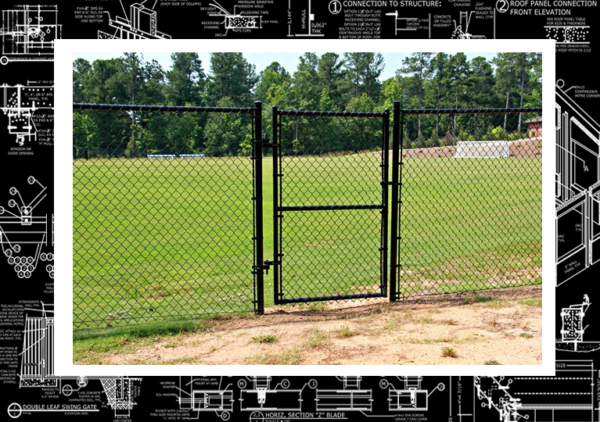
396 130
276 253
258 193
385 164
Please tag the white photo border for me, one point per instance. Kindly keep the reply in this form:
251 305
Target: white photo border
63 200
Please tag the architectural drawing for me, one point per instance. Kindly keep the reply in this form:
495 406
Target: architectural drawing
349 397
196 395
573 329
302 21
28 33
37 368
259 393
577 187
461 28
235 20
142 23
403 24
409 396
20 104
566 397
568 34
25 236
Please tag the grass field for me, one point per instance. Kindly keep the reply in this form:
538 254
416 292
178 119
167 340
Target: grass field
168 239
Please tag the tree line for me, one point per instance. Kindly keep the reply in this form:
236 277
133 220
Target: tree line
331 81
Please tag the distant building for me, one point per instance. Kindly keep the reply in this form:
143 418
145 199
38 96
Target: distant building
534 127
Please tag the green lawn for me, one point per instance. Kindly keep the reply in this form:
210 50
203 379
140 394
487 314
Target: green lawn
169 239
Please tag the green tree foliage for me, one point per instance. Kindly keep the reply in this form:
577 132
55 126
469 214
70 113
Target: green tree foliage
416 65
304 92
225 133
364 70
516 76
274 83
233 77
330 72
186 80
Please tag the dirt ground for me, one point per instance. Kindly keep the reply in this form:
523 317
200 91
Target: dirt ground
494 327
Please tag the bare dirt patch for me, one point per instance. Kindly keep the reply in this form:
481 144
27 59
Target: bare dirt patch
503 326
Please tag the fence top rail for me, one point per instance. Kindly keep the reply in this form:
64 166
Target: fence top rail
175 109
472 110
325 113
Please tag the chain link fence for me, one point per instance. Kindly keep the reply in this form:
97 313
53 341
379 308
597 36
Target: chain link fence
171 205
471 201
163 213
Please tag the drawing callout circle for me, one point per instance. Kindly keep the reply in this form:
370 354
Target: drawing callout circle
67 390
14 410
335 7
502 6
256 417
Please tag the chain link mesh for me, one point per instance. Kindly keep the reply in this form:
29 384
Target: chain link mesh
471 202
163 213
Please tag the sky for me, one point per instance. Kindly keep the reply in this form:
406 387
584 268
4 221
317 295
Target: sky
289 61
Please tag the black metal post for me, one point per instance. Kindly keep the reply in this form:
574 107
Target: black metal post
397 129
276 252
258 190
385 173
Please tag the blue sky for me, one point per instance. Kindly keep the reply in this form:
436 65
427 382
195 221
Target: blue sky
261 60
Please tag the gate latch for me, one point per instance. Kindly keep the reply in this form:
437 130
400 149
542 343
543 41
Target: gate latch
267 265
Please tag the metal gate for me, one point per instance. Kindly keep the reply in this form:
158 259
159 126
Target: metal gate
330 207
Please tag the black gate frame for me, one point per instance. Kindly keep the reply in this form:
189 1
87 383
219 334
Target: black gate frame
279 208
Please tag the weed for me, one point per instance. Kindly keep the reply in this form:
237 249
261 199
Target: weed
477 299
288 357
345 331
265 339
526 335
534 302
316 339
449 352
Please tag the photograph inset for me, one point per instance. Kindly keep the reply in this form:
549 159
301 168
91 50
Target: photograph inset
287 208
